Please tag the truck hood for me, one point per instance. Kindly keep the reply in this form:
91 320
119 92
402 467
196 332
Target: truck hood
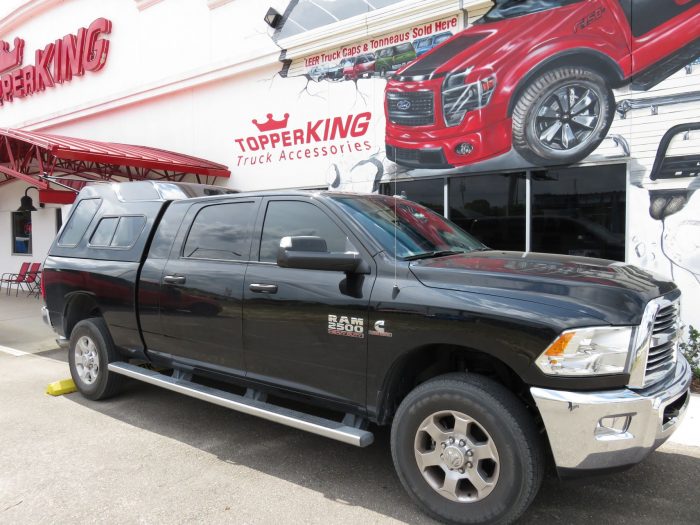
613 292
483 45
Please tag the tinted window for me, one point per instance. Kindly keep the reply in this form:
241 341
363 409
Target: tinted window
128 231
104 232
429 193
404 48
221 231
580 211
79 221
292 218
492 208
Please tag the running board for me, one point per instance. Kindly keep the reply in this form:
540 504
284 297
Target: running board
310 423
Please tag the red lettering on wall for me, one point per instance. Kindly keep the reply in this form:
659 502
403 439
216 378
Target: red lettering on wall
60 61
96 48
42 60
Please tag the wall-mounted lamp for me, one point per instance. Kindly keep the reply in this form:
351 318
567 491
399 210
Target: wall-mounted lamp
272 18
26 203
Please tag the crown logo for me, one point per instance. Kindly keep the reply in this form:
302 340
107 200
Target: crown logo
11 59
271 124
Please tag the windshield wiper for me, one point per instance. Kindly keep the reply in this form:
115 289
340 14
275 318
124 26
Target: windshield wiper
430 255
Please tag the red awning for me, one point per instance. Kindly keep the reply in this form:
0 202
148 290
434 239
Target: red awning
44 159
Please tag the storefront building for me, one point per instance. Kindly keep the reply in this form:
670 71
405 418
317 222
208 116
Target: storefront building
563 126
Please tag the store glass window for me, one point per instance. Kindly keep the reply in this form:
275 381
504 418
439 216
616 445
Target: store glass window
21 232
580 211
430 193
491 208
311 14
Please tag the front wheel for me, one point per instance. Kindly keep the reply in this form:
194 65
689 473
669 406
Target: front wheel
562 116
467 451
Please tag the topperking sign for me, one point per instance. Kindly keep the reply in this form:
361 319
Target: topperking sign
58 62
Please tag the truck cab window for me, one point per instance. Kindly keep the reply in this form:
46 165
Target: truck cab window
79 221
128 231
290 218
221 231
104 232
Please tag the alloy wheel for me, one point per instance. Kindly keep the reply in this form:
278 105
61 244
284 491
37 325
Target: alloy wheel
456 456
567 118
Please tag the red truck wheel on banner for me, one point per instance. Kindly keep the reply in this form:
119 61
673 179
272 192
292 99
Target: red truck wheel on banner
536 75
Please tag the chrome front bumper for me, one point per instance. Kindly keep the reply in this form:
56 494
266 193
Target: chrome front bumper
592 431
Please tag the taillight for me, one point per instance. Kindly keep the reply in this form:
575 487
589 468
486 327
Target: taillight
42 287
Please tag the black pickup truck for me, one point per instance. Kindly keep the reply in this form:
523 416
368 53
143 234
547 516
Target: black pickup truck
294 306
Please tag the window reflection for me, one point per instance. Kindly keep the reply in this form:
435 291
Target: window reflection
580 211
491 208
430 193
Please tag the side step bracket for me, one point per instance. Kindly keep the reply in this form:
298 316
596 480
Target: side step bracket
249 405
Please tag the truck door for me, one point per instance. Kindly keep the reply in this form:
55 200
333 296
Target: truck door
201 288
660 28
306 329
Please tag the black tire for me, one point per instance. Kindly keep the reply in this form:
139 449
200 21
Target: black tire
105 384
529 123
496 410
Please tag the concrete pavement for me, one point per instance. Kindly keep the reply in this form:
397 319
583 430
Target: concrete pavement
152 456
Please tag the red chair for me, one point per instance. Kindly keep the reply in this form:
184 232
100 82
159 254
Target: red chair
31 279
12 278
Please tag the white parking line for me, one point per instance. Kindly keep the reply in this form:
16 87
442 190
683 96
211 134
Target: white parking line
12 351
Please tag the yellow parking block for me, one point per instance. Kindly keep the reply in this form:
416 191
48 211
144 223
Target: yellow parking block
58 388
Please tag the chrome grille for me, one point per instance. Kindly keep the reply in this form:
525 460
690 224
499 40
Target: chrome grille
412 108
655 352
664 341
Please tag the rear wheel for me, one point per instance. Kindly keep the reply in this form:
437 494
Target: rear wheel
90 351
467 451
562 116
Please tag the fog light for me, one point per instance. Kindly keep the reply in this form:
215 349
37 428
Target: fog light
464 148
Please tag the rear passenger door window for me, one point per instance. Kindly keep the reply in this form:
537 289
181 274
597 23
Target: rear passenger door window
221 231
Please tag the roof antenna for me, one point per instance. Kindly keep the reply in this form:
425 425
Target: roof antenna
395 290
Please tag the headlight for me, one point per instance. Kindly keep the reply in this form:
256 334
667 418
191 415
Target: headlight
458 98
588 352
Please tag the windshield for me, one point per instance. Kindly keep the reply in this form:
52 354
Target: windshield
347 62
419 231
512 8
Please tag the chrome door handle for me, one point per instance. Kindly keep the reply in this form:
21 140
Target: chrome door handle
263 288
174 279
